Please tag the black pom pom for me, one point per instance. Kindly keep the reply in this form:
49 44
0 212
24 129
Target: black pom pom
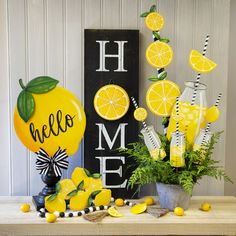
94 208
61 214
70 214
42 214
101 207
79 213
86 210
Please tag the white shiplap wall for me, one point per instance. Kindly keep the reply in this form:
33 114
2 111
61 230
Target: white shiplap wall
46 37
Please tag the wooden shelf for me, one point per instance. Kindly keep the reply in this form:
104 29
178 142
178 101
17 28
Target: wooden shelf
221 220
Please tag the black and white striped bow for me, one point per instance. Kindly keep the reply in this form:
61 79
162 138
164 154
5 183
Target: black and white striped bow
58 161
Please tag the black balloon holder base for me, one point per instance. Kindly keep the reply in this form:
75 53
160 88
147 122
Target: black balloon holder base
50 180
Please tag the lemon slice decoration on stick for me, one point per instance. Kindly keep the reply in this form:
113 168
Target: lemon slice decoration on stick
159 54
201 63
161 97
154 21
111 102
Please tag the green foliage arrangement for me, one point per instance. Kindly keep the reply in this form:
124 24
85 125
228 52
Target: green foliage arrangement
197 164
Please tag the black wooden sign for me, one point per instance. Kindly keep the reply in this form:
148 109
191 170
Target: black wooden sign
111 56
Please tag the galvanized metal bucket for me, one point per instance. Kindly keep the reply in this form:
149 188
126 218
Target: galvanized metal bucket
171 196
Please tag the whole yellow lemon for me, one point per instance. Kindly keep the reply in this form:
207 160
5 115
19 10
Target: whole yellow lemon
25 207
149 200
119 202
205 206
51 218
179 211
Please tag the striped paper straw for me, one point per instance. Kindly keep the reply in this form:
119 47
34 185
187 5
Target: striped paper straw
199 75
144 124
207 129
177 122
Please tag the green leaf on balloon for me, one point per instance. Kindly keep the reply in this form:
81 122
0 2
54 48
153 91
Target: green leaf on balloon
41 84
25 105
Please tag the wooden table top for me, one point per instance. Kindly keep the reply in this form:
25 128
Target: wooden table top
221 220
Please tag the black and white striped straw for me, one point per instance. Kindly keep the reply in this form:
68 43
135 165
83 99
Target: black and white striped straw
207 129
144 124
196 84
177 122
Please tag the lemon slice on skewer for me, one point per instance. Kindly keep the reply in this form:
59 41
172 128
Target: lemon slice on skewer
140 114
111 102
201 63
159 54
161 97
154 21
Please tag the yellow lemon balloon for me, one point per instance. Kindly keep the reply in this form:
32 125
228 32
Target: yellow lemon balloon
49 117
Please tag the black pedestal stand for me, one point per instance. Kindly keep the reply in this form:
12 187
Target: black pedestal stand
50 179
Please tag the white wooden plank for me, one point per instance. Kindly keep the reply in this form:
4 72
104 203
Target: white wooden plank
130 14
184 40
145 71
111 14
218 80
230 160
36 68
92 8
4 103
55 42
74 60
17 57
202 27
167 8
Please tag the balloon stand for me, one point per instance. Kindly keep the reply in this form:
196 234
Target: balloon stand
50 179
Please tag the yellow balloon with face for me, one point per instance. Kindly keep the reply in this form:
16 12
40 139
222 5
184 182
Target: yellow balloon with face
58 120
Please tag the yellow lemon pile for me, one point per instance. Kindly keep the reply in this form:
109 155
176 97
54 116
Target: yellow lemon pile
82 190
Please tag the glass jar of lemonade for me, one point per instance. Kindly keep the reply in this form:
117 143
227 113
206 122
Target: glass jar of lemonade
202 139
153 143
191 118
177 150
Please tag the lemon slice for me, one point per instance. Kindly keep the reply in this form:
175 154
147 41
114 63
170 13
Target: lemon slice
111 102
159 54
200 63
154 21
161 97
139 208
140 114
113 212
